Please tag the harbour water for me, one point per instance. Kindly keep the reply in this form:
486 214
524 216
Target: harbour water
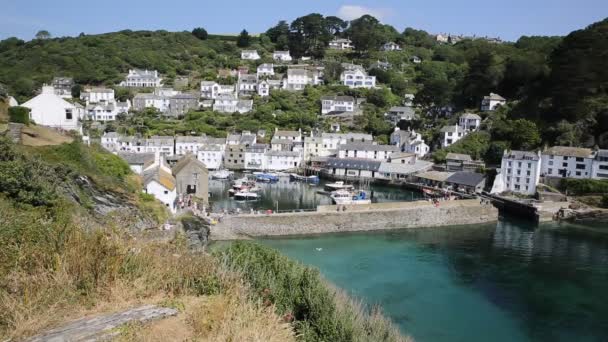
294 196
497 282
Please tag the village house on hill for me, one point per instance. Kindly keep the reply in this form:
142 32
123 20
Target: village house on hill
282 56
49 109
142 79
251 55
492 102
63 86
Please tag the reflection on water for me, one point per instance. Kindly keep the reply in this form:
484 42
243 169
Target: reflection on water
294 195
498 282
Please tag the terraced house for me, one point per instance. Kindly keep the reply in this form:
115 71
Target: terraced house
142 79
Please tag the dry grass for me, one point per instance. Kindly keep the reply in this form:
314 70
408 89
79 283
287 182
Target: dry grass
42 136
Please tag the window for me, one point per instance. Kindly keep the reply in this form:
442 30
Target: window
519 164
528 172
68 114
166 192
579 159
603 167
580 166
529 166
550 171
565 158
578 173
550 162
565 164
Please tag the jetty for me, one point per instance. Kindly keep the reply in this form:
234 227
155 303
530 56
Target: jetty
357 217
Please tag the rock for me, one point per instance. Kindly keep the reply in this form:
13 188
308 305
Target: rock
102 328
197 232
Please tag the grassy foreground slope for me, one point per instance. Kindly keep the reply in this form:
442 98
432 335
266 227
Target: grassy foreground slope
66 254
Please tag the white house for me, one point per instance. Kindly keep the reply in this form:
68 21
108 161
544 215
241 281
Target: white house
567 162
519 172
266 69
357 78
416 60
397 114
98 95
49 109
341 44
283 160
337 104
138 162
211 90
391 46
410 142
142 79
263 89
189 144
142 101
212 152
452 134
247 84
600 165
159 181
331 141
228 103
470 122
162 145
255 157
110 141
299 78
282 56
366 151
101 111
251 55
492 101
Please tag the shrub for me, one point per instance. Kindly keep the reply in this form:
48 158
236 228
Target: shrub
19 115
584 186
604 202
319 312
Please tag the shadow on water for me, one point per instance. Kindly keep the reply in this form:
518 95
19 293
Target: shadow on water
507 281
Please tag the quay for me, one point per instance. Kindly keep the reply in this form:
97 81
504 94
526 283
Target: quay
370 217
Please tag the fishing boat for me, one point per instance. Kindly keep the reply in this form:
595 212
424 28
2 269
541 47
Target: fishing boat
266 177
306 179
350 197
337 186
245 196
221 174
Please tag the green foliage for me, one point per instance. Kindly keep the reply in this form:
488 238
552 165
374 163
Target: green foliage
19 115
367 33
475 144
200 33
309 35
604 201
244 40
43 34
523 134
298 291
584 186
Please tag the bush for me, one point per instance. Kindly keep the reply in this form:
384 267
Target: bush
604 202
584 186
319 312
19 115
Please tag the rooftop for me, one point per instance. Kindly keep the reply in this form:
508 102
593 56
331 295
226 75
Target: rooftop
368 147
567 151
458 156
438 176
466 178
522 155
351 163
186 160
161 176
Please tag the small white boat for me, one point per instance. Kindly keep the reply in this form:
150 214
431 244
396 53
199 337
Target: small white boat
349 197
221 174
245 196
338 186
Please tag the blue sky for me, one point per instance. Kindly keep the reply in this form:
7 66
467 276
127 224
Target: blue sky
506 19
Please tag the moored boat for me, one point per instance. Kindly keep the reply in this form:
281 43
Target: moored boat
338 186
350 197
221 174
306 179
245 196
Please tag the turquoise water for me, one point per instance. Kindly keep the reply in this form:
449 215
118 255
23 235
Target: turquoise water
498 282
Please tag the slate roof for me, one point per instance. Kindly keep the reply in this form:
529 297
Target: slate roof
466 178
458 156
145 159
452 128
495 97
471 116
438 176
283 154
367 147
404 169
399 155
338 98
186 160
567 151
294 134
353 164
190 139
521 155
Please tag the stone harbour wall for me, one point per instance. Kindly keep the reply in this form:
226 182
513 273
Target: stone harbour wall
358 218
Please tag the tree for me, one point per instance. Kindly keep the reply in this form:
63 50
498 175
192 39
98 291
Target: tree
309 36
367 33
244 39
200 33
43 34
335 26
420 38
76 89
